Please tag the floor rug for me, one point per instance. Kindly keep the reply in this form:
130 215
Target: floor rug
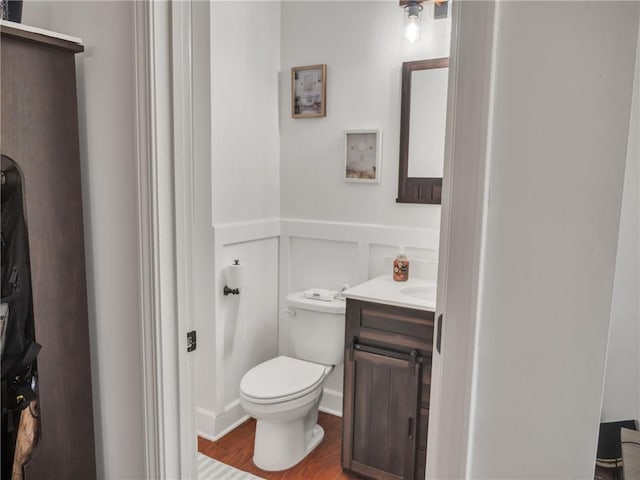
210 469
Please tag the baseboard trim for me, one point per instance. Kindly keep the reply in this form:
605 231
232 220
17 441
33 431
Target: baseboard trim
331 402
213 427
330 412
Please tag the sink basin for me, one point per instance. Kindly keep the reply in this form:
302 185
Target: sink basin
415 293
421 292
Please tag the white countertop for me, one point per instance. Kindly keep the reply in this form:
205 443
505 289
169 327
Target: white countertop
414 293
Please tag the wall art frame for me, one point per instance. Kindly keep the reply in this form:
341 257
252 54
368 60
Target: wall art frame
309 91
363 155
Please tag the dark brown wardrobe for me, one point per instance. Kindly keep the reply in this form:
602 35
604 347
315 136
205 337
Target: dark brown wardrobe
39 132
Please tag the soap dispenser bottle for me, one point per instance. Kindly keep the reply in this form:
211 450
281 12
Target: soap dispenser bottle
401 267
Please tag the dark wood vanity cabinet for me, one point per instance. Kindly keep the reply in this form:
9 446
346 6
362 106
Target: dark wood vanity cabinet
387 379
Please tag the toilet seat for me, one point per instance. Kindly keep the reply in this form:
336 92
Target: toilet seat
281 379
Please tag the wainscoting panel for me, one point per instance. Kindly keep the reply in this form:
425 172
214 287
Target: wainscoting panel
285 255
242 330
332 254
322 263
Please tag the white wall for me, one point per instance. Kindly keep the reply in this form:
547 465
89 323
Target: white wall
621 399
237 46
363 48
105 75
245 58
559 134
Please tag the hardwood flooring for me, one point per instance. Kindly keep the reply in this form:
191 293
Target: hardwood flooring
236 449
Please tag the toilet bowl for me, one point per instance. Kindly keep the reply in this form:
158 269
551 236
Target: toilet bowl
283 394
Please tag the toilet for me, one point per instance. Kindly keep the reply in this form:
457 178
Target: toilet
283 394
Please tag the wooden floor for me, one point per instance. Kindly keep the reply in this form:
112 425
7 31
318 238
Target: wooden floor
236 449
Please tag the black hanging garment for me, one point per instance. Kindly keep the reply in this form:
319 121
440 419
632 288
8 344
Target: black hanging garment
19 349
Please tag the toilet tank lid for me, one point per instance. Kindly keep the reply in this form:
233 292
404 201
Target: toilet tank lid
298 300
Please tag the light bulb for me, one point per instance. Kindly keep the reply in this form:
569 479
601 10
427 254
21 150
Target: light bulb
412 23
412 30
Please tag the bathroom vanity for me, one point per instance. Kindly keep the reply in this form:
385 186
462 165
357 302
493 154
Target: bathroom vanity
387 377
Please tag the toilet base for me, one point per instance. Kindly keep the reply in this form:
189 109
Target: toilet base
317 434
279 446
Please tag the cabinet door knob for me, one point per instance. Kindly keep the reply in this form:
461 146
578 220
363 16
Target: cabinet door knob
411 427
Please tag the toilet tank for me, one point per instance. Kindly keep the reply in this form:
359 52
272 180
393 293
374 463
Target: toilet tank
316 332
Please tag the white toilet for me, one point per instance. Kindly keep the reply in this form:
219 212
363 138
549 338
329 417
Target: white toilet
283 394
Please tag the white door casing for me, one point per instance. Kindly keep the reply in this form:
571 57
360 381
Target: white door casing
163 101
461 237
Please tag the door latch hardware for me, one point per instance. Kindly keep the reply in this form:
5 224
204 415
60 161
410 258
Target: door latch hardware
191 341
439 337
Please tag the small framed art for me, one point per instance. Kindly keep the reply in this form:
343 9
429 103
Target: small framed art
362 155
309 91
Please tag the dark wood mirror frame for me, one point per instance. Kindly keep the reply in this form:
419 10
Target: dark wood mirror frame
415 189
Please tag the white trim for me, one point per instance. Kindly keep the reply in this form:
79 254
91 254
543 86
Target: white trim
361 233
482 199
183 182
209 423
331 402
330 411
461 237
234 415
205 424
365 237
433 464
232 233
284 286
152 419
164 431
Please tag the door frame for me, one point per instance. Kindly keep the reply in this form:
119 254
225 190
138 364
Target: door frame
164 175
164 161
462 227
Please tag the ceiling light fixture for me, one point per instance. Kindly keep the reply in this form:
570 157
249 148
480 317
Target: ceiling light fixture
412 23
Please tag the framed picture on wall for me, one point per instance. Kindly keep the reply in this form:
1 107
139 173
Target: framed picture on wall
309 91
362 155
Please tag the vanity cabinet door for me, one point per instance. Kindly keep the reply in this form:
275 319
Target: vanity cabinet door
387 386
381 415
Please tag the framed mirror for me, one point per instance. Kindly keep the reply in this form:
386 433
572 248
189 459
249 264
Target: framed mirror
422 130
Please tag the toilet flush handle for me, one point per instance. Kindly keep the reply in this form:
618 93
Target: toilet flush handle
290 312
